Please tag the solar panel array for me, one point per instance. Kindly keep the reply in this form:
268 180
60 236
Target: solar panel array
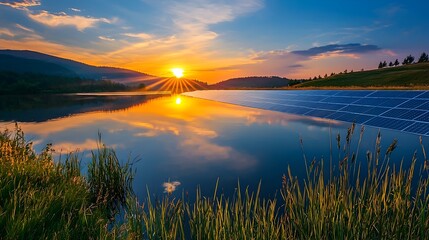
406 111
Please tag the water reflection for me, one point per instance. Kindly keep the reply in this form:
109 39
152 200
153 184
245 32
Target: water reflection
198 141
40 108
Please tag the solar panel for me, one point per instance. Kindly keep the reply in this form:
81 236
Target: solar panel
369 101
419 128
424 95
412 114
412 103
375 111
406 111
319 113
423 118
394 112
356 108
340 99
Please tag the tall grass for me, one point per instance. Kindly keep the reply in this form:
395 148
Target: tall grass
357 197
44 199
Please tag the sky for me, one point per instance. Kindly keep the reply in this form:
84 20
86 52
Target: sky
216 40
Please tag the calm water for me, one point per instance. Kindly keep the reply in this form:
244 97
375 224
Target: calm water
192 141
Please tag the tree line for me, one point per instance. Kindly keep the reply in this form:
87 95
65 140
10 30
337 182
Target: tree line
407 60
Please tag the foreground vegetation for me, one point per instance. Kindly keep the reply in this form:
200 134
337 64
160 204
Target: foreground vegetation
409 76
43 198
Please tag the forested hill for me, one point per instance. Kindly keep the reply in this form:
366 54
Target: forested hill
80 69
252 82
10 63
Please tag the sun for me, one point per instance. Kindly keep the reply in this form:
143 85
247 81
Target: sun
178 72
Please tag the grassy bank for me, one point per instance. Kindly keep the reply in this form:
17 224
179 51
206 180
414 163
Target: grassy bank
42 199
408 76
48 200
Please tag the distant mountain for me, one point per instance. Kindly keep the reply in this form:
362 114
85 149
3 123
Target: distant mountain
80 69
9 63
252 82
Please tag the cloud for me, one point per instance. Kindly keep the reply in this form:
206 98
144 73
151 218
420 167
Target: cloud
139 35
24 28
338 48
62 19
6 32
23 4
89 144
106 38
195 16
75 9
349 50
203 132
296 66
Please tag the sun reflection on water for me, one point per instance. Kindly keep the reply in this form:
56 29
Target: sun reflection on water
178 100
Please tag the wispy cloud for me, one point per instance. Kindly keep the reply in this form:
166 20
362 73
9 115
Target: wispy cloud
62 19
143 36
338 48
6 32
24 28
75 9
104 38
20 4
195 16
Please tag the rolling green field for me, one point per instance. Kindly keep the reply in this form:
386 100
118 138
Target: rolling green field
408 76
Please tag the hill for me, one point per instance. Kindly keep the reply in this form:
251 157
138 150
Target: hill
80 69
10 63
252 82
413 75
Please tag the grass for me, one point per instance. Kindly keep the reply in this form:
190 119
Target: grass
356 197
408 76
44 199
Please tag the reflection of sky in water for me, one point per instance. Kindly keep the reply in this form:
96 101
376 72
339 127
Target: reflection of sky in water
197 141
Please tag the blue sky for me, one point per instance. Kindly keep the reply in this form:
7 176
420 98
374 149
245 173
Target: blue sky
216 40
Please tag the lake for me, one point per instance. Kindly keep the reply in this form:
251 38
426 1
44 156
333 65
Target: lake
191 140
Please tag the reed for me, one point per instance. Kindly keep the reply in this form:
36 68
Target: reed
45 199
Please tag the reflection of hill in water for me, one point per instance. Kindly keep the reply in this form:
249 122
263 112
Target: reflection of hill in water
39 108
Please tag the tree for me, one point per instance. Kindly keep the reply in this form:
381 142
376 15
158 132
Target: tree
408 60
326 75
380 65
384 64
423 58
390 64
345 71
332 74
396 63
